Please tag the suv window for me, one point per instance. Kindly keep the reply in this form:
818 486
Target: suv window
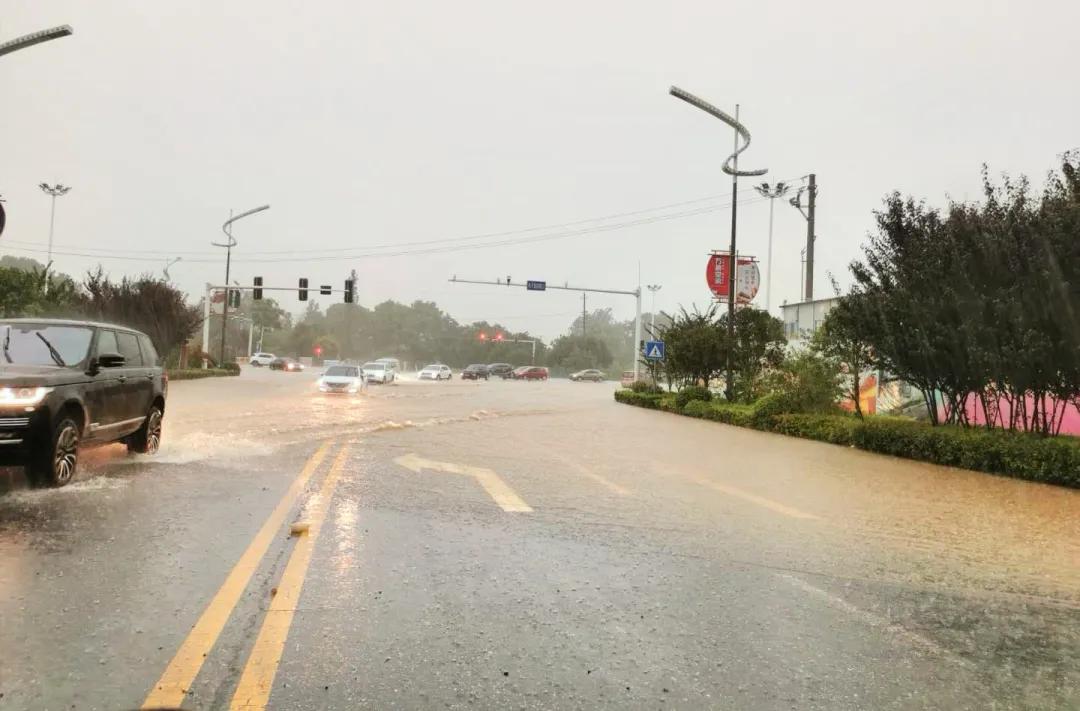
28 344
150 356
129 348
107 342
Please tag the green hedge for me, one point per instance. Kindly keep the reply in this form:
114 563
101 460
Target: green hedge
197 373
1053 460
691 393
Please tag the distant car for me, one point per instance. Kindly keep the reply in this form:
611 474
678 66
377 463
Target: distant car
531 372
627 378
475 372
500 370
436 371
592 374
342 379
286 364
379 372
260 359
393 363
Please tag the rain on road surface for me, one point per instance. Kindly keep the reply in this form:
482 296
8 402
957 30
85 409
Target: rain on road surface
506 545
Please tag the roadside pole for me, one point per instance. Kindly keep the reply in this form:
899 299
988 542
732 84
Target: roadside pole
206 328
637 331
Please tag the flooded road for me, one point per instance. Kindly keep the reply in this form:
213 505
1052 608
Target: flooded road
525 545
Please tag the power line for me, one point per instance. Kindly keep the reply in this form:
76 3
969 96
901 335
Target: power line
130 254
361 254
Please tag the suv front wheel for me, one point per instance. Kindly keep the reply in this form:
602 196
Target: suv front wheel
55 464
147 438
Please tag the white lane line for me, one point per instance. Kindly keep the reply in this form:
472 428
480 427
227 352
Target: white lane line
876 621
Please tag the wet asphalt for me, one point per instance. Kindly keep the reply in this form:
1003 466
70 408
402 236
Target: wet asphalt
659 562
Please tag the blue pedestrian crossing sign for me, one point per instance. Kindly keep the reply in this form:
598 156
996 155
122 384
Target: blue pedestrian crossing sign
654 350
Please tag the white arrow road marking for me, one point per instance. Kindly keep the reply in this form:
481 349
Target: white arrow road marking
496 488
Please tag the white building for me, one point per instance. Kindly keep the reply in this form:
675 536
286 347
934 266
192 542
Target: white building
803 318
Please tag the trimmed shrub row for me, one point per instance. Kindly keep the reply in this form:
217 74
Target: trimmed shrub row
1053 460
197 373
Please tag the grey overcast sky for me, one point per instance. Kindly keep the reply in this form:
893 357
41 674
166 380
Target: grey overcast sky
367 124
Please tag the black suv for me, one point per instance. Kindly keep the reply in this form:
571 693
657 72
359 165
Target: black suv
65 384
500 370
475 372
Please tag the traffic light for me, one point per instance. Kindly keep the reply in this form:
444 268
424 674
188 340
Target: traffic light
498 336
256 293
350 291
482 336
234 298
318 351
302 292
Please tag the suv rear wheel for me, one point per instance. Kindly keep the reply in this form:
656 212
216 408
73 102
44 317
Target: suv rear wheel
147 438
55 465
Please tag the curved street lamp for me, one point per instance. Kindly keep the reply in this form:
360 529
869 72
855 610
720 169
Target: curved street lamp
227 229
34 38
731 167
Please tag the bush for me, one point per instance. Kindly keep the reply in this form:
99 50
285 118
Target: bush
641 386
647 400
691 393
1054 460
199 373
837 429
231 367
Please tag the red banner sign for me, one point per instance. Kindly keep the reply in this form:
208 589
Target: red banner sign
718 273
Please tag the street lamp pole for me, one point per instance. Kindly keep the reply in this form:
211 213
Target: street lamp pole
771 192
731 167
54 191
34 38
227 229
652 319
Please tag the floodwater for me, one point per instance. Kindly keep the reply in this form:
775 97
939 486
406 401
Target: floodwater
526 545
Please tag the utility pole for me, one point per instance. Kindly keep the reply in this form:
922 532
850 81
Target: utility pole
583 295
771 192
810 238
796 202
55 191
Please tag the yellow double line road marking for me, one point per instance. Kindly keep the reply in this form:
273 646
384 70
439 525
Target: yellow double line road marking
172 687
253 691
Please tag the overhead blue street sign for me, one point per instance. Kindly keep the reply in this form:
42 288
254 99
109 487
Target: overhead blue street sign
536 285
654 350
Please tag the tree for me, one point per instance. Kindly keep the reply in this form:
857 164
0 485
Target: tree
23 293
840 341
145 303
759 344
577 352
695 349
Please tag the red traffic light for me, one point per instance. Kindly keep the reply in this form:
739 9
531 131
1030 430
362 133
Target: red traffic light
483 336
498 336
318 350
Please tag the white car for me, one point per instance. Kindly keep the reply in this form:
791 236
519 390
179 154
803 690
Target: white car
344 379
378 372
435 372
261 359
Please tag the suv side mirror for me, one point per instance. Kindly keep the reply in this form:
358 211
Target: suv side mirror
110 360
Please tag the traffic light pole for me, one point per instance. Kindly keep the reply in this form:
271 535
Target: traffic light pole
636 293
210 289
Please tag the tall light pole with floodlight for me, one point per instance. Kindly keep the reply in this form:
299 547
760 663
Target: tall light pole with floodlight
54 191
772 192
652 319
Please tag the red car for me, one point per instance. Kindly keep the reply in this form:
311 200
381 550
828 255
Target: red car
530 372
